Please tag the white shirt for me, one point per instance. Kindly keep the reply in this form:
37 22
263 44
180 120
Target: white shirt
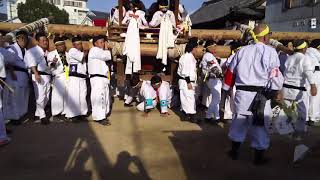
188 67
253 65
97 58
75 61
58 68
157 17
36 57
2 67
314 55
299 68
142 22
15 48
165 94
9 57
208 62
115 17
147 91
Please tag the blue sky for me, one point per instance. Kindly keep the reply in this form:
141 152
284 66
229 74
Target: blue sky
106 5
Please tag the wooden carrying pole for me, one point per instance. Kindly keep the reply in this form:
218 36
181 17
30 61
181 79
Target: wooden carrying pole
151 49
61 29
120 11
199 33
176 9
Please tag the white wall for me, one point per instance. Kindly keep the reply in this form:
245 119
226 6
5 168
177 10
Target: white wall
76 14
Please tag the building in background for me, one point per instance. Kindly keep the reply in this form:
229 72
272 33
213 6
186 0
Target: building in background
293 15
96 18
3 17
222 14
77 9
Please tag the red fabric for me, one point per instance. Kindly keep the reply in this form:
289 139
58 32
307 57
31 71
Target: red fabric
100 22
147 67
134 16
229 78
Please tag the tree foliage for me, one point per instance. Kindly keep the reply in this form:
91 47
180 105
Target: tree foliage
34 10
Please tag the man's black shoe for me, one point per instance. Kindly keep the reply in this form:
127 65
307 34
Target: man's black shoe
194 120
259 159
104 122
45 121
310 123
127 105
234 152
74 120
15 122
8 131
233 155
208 120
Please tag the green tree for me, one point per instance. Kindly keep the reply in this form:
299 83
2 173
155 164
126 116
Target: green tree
33 10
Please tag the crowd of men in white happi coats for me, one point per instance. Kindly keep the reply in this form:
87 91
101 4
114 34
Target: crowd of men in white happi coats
253 80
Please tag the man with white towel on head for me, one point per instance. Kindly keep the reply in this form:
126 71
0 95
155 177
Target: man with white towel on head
58 63
77 106
36 60
16 105
100 80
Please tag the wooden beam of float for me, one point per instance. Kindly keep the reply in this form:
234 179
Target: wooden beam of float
236 35
61 29
295 35
120 4
216 34
199 33
151 49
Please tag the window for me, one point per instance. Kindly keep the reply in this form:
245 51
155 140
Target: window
290 4
55 2
73 21
77 4
73 3
68 3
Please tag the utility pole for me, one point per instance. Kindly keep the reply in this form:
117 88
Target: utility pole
10 10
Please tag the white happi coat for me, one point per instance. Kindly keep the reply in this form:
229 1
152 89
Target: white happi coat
36 57
77 86
16 105
157 18
115 17
59 84
142 22
10 107
229 105
299 69
166 38
99 79
204 90
131 47
314 111
147 97
187 68
165 95
252 65
214 84
3 133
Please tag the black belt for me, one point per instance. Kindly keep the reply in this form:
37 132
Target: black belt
179 77
98 75
16 68
250 88
317 68
78 75
294 87
42 73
